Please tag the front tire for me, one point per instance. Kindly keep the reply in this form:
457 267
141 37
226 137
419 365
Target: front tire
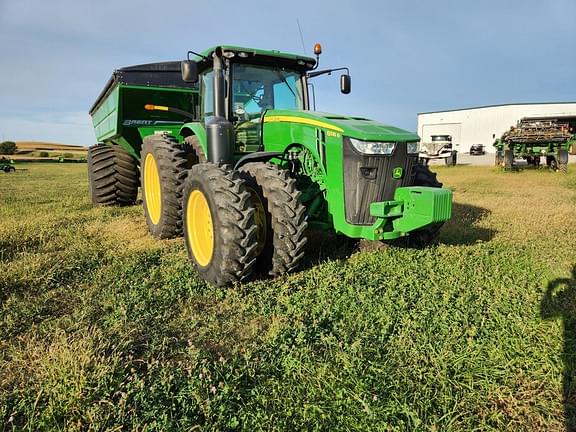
112 175
164 168
219 225
280 216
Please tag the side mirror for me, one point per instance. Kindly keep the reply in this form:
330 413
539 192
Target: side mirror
345 83
189 71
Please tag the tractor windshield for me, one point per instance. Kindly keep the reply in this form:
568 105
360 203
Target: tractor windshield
258 88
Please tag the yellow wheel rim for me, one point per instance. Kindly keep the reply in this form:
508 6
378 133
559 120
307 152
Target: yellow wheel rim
260 219
152 191
199 228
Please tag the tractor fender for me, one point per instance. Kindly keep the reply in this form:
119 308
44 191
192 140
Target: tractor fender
196 128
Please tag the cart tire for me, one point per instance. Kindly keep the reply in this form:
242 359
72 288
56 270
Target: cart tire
508 159
164 168
112 175
563 161
219 225
451 160
280 217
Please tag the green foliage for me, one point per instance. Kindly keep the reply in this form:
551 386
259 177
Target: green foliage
68 155
104 328
43 154
7 147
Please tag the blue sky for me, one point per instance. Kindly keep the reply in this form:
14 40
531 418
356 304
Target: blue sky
405 56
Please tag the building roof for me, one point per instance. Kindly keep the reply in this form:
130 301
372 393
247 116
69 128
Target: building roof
498 105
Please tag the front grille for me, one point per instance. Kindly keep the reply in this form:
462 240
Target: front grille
368 179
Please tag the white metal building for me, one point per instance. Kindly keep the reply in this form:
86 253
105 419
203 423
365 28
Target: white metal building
482 125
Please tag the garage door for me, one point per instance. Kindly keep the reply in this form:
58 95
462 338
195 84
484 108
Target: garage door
452 129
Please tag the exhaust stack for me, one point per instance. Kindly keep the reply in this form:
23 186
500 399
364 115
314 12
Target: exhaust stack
219 131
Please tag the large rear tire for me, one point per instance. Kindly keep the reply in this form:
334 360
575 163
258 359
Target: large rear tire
280 217
194 150
164 168
219 225
112 175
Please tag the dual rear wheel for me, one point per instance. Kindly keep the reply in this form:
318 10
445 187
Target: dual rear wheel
237 224
165 165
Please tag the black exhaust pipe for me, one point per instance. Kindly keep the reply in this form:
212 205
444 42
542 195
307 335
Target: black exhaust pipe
219 131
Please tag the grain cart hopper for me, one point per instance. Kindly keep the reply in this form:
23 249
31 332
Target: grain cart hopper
228 153
533 139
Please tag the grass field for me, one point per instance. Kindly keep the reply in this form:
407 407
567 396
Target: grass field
104 328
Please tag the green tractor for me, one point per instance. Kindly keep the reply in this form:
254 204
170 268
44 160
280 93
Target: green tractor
228 153
533 139
7 165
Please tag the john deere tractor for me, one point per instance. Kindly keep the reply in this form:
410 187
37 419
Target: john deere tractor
228 153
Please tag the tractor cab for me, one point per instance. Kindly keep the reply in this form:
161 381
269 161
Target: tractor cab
254 83
256 89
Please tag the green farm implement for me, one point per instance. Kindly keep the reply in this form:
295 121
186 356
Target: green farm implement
534 139
228 153
7 165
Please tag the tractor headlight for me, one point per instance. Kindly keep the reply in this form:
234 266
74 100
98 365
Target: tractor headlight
373 147
413 147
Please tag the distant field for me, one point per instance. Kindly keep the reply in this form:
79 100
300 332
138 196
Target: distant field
39 145
36 150
104 328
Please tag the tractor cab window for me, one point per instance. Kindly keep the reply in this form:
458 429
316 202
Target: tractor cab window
207 92
258 88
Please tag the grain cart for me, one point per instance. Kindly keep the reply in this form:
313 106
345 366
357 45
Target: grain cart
439 148
533 139
228 153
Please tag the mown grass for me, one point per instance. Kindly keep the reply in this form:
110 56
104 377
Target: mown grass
104 328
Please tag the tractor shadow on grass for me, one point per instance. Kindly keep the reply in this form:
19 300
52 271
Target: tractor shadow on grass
460 230
326 246
463 228
559 301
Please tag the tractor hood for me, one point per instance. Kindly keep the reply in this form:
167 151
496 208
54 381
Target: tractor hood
354 127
